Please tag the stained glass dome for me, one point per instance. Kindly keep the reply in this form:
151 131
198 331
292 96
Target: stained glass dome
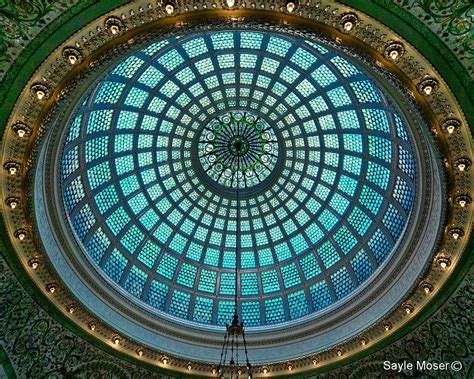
154 152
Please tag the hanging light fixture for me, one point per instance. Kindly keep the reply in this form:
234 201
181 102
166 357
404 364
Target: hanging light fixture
235 330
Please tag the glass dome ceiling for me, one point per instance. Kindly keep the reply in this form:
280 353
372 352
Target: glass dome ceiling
156 217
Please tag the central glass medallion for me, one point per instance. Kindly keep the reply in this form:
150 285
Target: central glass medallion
238 148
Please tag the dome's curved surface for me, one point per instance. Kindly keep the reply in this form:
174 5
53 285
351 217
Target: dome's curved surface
319 214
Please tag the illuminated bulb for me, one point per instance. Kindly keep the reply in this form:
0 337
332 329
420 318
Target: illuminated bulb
315 361
40 94
239 371
52 288
339 352
114 29
34 263
444 262
230 3
394 54
72 59
140 352
363 341
348 25
290 6
214 371
461 166
290 367
427 288
265 370
169 8
13 204
12 170
21 236
92 326
116 340
71 309
165 361
189 366
455 235
21 133
408 309
427 90
386 326
462 203
450 129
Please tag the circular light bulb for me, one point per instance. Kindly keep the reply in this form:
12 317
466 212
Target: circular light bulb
394 54
13 204
348 25
428 89
450 129
72 59
40 94
461 166
169 8
230 3
21 133
12 170
290 6
114 29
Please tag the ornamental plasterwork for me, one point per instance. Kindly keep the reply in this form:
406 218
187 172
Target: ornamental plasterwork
452 21
31 110
21 22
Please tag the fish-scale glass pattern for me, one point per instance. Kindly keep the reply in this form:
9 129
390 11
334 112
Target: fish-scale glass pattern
336 205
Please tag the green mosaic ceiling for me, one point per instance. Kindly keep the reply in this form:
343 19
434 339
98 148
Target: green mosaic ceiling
341 188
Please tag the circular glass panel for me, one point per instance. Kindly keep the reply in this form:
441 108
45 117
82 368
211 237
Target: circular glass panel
339 156
238 149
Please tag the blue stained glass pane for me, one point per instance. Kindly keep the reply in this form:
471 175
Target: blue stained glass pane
343 283
320 295
298 304
156 295
290 275
380 246
115 265
203 310
310 266
207 282
270 281
274 311
98 245
227 284
225 311
362 266
187 275
251 313
249 284
135 281
179 305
